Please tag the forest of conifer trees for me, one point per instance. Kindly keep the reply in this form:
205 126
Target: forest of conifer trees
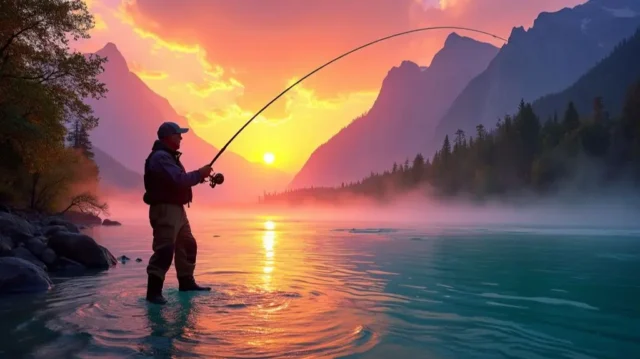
523 153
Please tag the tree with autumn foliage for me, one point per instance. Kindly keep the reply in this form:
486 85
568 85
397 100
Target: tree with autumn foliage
42 87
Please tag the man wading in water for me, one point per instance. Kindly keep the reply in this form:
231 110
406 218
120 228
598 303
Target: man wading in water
167 190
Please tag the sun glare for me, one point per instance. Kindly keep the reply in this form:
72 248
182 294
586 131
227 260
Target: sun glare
269 225
269 158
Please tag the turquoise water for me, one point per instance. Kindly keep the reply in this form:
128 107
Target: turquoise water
324 290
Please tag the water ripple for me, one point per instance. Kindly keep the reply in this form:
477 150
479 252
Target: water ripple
315 292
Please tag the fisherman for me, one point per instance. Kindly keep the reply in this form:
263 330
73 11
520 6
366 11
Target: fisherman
167 190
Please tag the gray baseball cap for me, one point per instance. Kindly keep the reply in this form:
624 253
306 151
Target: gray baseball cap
170 128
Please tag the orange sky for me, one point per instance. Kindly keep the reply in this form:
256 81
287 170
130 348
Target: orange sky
220 61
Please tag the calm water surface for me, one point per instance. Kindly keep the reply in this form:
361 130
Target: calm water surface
286 289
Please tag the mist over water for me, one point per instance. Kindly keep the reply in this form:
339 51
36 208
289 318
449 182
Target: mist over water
610 209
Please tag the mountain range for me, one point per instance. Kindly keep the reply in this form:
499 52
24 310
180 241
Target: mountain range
553 54
610 80
406 118
411 100
129 117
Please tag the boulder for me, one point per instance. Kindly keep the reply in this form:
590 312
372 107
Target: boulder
55 221
68 266
82 218
36 245
15 227
50 243
108 222
24 253
82 249
49 257
111 259
51 230
6 245
20 276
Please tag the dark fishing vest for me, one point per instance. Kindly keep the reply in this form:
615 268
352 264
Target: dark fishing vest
159 188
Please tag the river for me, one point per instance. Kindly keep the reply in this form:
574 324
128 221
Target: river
323 289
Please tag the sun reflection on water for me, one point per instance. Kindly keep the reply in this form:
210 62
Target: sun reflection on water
268 242
318 296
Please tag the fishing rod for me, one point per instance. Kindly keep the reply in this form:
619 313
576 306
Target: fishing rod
218 178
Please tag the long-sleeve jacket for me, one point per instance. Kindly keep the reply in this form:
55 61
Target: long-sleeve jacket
165 178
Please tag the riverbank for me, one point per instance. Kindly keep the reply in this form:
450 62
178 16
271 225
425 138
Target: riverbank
33 245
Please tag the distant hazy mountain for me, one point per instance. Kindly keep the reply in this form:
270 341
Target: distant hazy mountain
129 118
114 176
401 121
609 79
552 55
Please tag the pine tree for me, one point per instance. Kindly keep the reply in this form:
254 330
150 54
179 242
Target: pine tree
481 132
79 139
598 110
446 147
459 141
417 168
571 119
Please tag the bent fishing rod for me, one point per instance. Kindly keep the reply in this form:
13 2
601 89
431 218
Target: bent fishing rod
219 176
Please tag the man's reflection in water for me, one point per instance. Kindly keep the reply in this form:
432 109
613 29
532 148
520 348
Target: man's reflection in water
168 325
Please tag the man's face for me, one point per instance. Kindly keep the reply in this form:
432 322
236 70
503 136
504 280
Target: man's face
174 141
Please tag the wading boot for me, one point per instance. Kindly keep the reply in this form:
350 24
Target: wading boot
189 283
154 290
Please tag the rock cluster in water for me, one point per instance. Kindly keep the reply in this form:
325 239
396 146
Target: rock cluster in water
34 245
108 222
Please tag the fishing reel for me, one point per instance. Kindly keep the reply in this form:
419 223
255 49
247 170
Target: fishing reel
215 179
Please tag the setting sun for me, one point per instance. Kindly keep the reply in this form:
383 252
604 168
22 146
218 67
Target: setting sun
269 225
269 158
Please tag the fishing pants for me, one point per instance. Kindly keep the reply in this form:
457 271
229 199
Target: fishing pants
171 234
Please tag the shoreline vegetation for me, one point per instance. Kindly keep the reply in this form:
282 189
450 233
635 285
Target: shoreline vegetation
48 178
48 164
522 155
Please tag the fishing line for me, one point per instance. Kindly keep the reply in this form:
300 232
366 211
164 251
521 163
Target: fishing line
338 58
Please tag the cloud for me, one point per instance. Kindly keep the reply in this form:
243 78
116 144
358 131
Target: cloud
437 4
127 13
268 46
151 75
94 6
211 87
100 24
144 73
446 4
171 45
